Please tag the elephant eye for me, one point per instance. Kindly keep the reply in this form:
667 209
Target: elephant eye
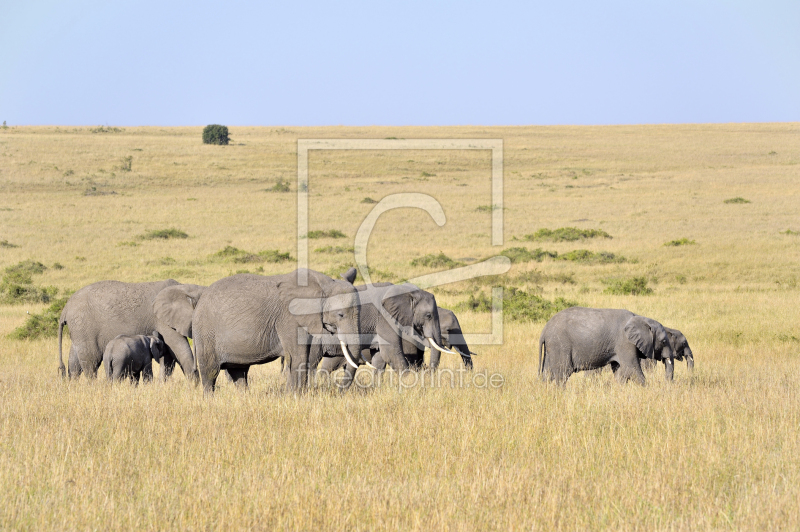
428 315
340 314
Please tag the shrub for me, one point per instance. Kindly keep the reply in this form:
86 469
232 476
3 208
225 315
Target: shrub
7 244
101 129
518 305
737 199
368 200
163 234
333 233
17 284
215 134
634 286
279 186
566 234
680 242
433 260
586 256
520 254
41 325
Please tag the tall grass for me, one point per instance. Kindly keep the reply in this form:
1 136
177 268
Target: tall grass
715 450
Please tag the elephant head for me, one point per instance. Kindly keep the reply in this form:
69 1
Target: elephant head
415 310
452 338
650 338
680 346
326 306
174 306
157 346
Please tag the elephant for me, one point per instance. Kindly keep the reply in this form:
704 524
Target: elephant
249 319
452 338
581 339
680 346
132 356
396 323
101 311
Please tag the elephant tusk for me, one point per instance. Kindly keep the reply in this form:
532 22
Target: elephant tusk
440 349
668 361
371 366
347 355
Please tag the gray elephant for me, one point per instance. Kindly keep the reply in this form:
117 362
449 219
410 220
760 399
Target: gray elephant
132 356
397 321
452 339
680 346
581 339
101 311
249 319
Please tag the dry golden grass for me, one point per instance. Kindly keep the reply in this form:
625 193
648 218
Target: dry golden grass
714 450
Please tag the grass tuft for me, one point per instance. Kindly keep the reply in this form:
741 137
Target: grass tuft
521 254
333 233
633 286
737 199
334 249
279 186
566 234
7 244
433 260
790 232
163 234
680 242
591 257
369 200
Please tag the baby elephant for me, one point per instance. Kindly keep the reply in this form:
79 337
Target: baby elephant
132 356
580 339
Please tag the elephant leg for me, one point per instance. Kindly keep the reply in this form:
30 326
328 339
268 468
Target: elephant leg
632 370
556 364
348 376
669 369
167 366
416 360
648 364
239 377
75 368
90 367
207 365
147 372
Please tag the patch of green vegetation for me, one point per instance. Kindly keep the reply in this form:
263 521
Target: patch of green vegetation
126 164
566 234
426 174
17 284
216 134
521 254
487 208
737 199
129 243
586 256
7 244
163 234
334 249
634 286
368 200
790 232
279 186
518 305
680 242
333 233
58 266
241 256
433 260
101 129
42 325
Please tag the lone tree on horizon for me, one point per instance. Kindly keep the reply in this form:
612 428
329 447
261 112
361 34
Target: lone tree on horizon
215 134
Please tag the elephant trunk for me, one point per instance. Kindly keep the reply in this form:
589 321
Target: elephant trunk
433 334
667 355
689 358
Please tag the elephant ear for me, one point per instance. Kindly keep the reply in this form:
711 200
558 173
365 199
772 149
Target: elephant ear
175 305
350 275
638 331
304 303
399 301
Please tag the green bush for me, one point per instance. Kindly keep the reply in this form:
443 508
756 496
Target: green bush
41 325
520 254
333 233
433 260
586 256
163 234
680 242
737 199
17 284
518 305
566 234
215 134
634 286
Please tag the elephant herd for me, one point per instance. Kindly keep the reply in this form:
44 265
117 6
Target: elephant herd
310 321
302 317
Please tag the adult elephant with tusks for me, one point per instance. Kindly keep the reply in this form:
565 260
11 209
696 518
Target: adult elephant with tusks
249 319
397 321
99 312
581 339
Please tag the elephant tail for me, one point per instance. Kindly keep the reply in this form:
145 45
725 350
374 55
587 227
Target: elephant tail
61 369
542 349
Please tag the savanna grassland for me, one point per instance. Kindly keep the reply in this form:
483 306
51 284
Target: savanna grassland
717 449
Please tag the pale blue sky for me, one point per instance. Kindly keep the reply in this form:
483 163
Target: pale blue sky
401 63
